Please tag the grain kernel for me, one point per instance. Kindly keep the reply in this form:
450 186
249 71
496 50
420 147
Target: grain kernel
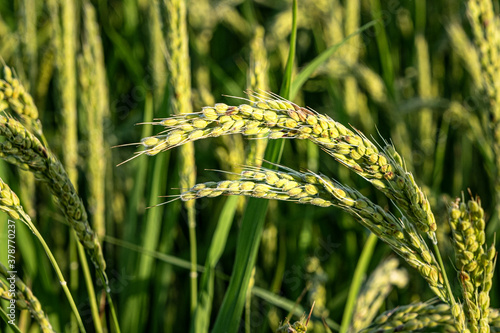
311 189
222 185
251 131
262 188
258 114
276 135
262 105
294 191
270 116
247 186
221 108
246 109
210 113
289 185
290 123
150 141
273 104
174 138
186 127
238 125
169 122
195 135
200 123
271 177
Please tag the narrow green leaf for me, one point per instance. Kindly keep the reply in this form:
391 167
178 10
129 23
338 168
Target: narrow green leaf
5 318
201 320
357 280
383 46
231 310
309 69
137 305
287 80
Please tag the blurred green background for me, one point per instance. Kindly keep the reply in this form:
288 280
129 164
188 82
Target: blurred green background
409 79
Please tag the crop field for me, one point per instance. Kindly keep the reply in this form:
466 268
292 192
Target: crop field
249 166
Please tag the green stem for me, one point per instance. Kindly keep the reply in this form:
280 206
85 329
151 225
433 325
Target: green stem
248 309
113 312
193 274
383 47
90 288
73 272
443 271
357 279
252 223
14 327
287 80
26 219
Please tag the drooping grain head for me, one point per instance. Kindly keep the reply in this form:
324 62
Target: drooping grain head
24 150
14 99
375 290
278 118
414 317
319 190
474 260
25 300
